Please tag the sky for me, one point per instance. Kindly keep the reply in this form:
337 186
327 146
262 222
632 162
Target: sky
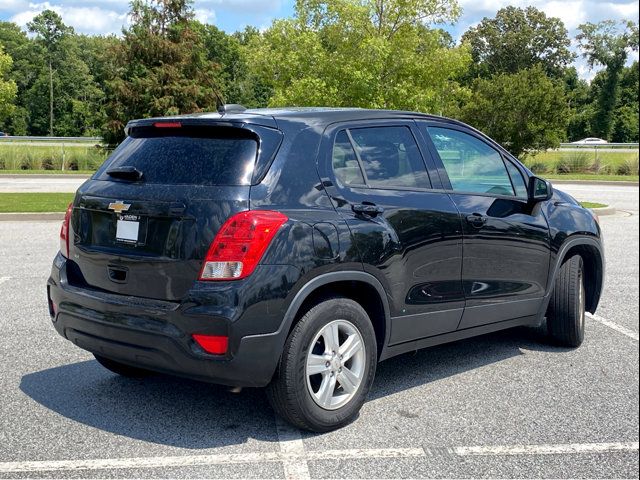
108 16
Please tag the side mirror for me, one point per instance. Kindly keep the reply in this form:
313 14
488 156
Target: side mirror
540 190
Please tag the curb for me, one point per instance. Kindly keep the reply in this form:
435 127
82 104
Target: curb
607 183
35 216
604 211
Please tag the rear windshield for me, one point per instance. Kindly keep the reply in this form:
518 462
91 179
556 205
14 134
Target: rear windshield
187 155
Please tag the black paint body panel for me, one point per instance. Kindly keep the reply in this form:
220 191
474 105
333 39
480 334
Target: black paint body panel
437 277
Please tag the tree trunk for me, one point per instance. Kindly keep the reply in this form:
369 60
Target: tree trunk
50 99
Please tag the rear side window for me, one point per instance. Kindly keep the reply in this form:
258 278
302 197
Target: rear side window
390 157
344 160
471 164
187 155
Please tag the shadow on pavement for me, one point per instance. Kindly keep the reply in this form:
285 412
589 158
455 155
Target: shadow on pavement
189 414
159 409
428 365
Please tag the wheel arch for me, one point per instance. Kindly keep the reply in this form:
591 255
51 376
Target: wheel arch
591 251
361 287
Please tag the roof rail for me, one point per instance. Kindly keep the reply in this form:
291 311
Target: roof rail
231 108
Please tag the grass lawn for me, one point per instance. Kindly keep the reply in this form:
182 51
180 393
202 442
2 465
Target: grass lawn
50 157
34 202
589 162
591 176
593 205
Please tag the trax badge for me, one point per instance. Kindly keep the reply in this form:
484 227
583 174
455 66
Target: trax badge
119 206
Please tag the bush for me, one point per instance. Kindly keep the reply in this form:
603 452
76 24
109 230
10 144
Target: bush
575 162
605 169
36 157
628 167
47 164
538 167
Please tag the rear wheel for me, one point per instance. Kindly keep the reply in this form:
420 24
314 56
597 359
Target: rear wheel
327 367
121 368
566 312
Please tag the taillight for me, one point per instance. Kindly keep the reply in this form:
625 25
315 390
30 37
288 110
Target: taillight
64 231
240 244
214 344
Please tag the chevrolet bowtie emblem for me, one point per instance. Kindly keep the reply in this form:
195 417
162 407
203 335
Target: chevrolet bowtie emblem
119 206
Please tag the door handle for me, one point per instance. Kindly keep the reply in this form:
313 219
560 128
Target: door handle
477 220
366 208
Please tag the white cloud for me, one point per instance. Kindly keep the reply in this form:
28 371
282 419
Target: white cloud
205 15
91 20
14 5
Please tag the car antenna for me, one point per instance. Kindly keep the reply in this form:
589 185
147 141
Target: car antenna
231 108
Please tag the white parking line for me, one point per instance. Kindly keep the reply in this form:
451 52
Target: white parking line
139 462
4 279
292 449
619 328
295 460
570 448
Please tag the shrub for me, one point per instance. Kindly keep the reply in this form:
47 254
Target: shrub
538 167
628 167
605 169
575 162
47 164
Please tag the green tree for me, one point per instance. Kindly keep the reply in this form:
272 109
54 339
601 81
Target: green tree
17 46
580 102
8 88
625 126
50 31
525 111
517 39
608 44
160 67
238 83
362 53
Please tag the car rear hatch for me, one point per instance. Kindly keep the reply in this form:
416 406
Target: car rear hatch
144 222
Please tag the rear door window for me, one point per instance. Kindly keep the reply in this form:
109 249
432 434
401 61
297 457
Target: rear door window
187 155
389 157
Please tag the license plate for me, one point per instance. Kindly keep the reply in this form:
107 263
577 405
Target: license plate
128 228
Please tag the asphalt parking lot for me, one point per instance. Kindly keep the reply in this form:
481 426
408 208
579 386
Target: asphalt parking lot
502 405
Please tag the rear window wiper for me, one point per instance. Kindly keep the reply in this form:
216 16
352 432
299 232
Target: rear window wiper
125 173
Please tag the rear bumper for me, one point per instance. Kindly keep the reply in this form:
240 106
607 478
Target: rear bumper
156 335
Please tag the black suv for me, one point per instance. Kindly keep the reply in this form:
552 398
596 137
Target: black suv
296 248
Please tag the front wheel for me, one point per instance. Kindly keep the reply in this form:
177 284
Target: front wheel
566 312
327 367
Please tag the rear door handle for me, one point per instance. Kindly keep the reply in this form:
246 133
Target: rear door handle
370 209
477 220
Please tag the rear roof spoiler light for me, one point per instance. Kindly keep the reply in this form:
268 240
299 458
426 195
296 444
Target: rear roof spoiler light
167 124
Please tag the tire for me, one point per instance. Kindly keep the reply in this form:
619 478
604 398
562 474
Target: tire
302 399
566 312
121 368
